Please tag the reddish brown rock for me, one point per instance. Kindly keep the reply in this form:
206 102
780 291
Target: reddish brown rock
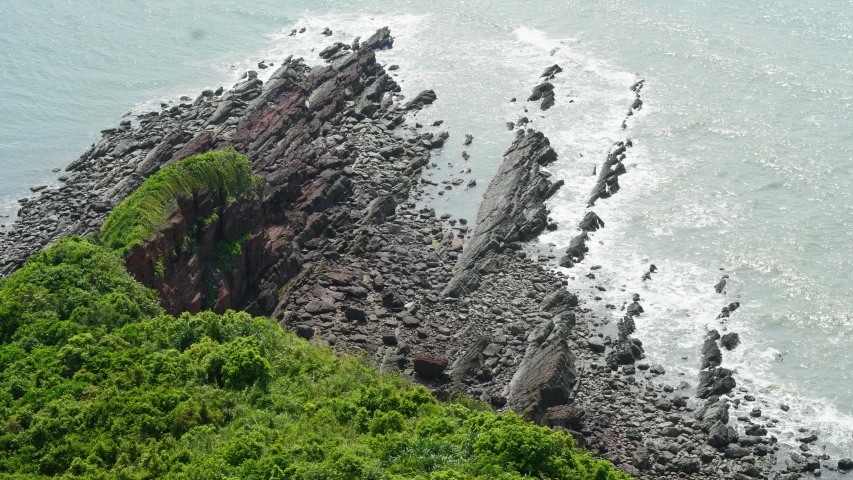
430 367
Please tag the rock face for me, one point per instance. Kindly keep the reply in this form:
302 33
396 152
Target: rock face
209 252
287 128
544 380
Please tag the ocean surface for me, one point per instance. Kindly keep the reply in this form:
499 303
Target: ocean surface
741 165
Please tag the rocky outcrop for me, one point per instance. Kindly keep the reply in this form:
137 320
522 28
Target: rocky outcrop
545 379
427 97
576 251
513 207
608 175
730 341
544 92
715 381
209 252
591 222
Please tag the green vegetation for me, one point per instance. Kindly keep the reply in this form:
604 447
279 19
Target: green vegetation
97 383
226 252
150 206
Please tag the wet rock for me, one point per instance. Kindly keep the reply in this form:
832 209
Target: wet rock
721 285
591 222
540 90
427 97
634 309
551 71
576 251
558 300
711 355
382 39
715 381
730 341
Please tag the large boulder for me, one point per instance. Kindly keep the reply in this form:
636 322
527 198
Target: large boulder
721 435
730 341
559 299
429 366
711 355
576 251
715 381
466 366
591 222
427 97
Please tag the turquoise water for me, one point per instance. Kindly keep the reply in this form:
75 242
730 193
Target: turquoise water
742 159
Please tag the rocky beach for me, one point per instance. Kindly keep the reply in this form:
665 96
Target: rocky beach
340 245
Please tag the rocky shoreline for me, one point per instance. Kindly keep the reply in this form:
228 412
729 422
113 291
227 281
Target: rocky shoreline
335 248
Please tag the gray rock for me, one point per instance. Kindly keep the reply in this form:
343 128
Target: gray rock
421 100
730 341
591 222
715 381
596 344
711 355
558 300
543 380
513 207
380 40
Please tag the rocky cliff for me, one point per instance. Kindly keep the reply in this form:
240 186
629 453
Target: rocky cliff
334 247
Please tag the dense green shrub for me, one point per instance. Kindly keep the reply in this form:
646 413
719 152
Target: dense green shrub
147 209
97 383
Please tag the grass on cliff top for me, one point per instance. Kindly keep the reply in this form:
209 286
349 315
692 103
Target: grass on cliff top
95 382
151 205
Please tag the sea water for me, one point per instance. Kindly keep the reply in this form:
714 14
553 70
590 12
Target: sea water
741 162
